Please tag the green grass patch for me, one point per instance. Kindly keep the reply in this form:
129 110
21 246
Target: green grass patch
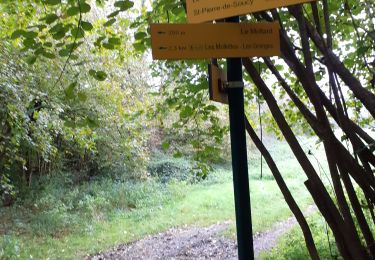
61 220
292 245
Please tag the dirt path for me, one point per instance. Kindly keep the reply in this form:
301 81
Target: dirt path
196 243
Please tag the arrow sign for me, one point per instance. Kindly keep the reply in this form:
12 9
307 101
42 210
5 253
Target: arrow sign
199 11
204 41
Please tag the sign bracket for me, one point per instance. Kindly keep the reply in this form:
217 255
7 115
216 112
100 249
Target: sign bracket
234 84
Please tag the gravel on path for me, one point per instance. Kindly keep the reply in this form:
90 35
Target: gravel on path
195 243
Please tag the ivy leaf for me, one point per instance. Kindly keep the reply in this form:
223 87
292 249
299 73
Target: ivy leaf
39 51
78 32
344 137
91 122
59 35
98 75
114 41
139 46
64 53
41 27
69 91
53 2
58 31
86 26
74 57
101 75
82 96
85 8
48 55
177 155
72 11
108 46
124 5
17 33
56 28
186 112
362 50
211 108
29 43
92 72
31 60
50 18
73 46
109 22
165 146
30 34
113 14
178 10
140 35
100 2
98 41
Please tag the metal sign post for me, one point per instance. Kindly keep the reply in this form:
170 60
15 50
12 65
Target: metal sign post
239 156
230 40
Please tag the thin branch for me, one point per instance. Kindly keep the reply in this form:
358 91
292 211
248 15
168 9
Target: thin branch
73 46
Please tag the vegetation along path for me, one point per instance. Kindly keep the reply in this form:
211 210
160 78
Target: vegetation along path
196 243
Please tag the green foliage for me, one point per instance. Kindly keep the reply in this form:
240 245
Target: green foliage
10 247
191 123
74 99
75 124
56 206
292 245
56 29
60 33
168 169
104 212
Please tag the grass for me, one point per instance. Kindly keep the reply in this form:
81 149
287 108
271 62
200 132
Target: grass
65 221
292 245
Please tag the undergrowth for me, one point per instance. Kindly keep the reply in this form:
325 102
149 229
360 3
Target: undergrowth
62 219
292 245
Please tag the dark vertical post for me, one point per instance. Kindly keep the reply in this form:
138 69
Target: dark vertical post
239 156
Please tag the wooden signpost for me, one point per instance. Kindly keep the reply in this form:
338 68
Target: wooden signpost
217 80
205 41
233 41
199 11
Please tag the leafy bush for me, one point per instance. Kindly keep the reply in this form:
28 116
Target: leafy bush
56 205
167 168
48 127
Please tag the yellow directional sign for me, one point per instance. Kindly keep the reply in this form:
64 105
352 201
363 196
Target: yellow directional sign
223 40
199 11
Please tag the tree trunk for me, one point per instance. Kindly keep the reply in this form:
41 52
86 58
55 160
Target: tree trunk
349 240
285 191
